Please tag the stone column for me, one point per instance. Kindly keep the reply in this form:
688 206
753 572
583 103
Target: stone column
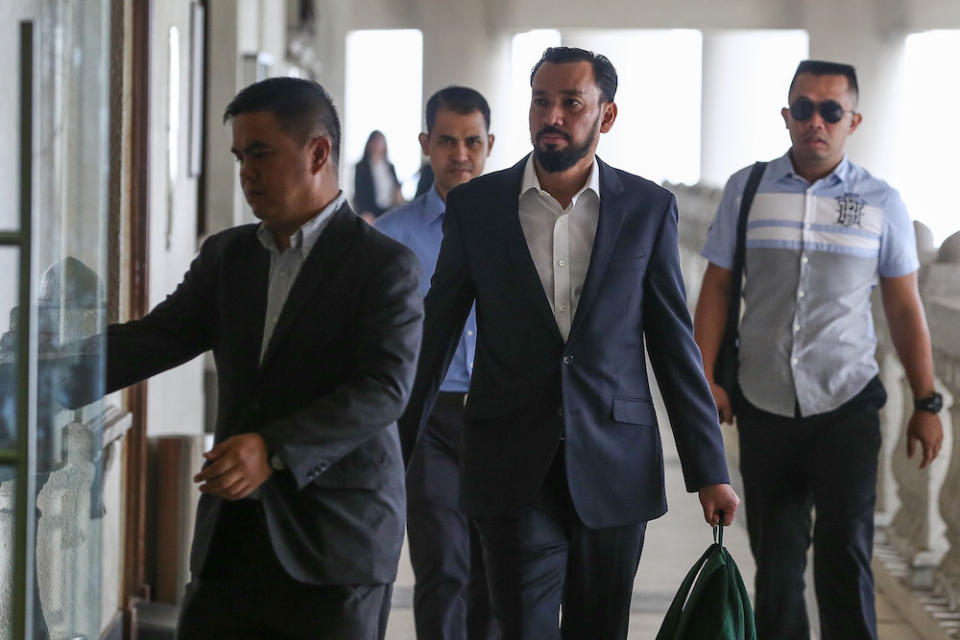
942 284
918 526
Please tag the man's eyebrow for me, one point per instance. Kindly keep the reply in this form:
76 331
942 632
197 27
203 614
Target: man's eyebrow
566 92
253 146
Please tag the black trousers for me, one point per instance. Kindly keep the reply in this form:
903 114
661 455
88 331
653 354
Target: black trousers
451 600
547 561
244 592
826 462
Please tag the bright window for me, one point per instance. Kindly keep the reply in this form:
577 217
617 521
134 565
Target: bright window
525 50
383 92
930 131
657 132
746 76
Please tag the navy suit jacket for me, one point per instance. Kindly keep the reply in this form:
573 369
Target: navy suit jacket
529 387
335 377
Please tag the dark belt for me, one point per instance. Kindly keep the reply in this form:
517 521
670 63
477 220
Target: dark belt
452 398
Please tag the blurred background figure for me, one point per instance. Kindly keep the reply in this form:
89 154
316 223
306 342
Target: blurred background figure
375 188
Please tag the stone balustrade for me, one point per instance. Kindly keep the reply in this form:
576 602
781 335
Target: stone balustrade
918 511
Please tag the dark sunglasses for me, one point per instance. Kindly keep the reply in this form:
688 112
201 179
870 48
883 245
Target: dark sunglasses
830 110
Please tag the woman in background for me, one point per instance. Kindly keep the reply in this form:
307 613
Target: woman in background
375 187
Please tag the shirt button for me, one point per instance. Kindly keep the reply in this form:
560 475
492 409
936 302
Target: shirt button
800 293
561 262
804 259
795 360
470 332
567 359
796 327
807 225
563 307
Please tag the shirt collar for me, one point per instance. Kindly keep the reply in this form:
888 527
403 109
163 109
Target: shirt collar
304 238
433 205
782 167
530 180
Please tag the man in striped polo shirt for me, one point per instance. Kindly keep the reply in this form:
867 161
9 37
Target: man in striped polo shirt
821 233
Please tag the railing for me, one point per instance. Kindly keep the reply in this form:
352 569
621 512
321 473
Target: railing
918 512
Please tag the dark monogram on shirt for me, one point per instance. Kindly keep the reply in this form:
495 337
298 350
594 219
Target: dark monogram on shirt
850 209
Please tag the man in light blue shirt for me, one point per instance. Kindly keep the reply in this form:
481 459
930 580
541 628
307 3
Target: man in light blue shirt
821 234
451 599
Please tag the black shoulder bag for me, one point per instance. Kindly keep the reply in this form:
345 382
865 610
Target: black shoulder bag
728 356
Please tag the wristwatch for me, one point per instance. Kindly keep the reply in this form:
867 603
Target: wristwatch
931 403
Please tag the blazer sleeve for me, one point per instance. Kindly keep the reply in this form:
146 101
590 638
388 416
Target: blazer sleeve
677 363
372 397
446 308
175 331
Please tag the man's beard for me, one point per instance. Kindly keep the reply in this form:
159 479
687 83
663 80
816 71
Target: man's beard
555 160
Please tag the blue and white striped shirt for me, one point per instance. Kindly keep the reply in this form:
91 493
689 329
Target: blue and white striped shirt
814 254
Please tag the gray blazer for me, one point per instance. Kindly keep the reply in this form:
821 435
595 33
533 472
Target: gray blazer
335 377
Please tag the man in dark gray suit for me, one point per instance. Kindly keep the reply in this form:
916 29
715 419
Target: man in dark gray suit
314 321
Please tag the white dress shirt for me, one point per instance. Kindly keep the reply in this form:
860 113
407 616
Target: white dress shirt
383 183
285 265
560 240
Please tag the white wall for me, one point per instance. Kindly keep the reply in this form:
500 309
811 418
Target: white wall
174 399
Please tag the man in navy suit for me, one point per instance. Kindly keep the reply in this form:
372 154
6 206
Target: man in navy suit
571 264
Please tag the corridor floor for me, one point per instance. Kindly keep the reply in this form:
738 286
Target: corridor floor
673 543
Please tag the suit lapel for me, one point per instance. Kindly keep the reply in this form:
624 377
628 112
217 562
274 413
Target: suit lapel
608 229
320 263
516 243
252 273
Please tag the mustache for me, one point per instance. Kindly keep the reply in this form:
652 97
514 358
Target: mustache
552 130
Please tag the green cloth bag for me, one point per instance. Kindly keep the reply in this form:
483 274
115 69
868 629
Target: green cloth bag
712 603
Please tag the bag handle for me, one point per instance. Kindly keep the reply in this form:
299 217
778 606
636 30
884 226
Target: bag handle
718 531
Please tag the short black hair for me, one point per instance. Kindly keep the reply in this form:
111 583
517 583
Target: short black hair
302 107
603 72
462 100
825 68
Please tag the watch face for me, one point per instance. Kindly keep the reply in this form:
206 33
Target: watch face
932 403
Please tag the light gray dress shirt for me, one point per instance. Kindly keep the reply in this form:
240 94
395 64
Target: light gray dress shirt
560 240
815 252
285 265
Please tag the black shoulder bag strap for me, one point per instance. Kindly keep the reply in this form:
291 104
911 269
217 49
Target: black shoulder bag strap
739 257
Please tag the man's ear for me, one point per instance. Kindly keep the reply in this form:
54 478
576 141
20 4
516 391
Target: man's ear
608 117
425 144
785 114
855 120
490 138
320 148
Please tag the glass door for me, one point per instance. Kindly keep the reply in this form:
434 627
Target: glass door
54 112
